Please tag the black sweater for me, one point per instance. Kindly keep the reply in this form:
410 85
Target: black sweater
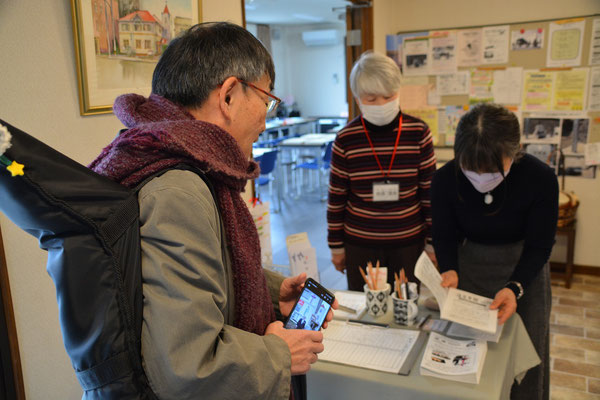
527 209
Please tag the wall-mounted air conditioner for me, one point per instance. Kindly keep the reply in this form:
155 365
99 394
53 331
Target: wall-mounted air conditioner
325 37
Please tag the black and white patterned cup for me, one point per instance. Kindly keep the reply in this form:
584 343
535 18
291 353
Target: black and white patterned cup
377 300
405 311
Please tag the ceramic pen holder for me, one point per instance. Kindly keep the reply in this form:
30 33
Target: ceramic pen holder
405 311
377 300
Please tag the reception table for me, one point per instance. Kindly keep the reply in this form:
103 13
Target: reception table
506 360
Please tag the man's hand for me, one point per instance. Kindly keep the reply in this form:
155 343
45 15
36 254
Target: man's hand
450 279
304 345
506 303
290 291
339 261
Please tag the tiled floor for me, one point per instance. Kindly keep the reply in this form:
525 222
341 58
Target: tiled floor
575 319
575 339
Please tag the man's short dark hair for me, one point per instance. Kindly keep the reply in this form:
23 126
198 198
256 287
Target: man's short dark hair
484 136
203 57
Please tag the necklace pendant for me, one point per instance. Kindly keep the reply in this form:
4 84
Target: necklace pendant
488 198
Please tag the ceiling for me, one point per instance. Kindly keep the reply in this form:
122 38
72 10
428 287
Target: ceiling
295 12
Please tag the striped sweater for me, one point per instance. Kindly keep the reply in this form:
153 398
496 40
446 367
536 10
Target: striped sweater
352 216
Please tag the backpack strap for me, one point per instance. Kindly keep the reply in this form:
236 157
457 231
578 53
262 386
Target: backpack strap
106 372
112 229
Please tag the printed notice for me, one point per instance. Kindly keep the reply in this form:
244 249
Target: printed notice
495 44
595 43
430 117
481 86
538 87
443 52
507 85
594 100
452 84
566 39
570 89
415 54
469 47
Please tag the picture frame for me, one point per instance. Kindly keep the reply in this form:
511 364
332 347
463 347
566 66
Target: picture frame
117 45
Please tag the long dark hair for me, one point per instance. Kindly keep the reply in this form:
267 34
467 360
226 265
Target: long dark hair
485 135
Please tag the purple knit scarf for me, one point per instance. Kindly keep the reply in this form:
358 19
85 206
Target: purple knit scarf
162 134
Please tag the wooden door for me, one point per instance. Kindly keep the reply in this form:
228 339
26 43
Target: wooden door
359 38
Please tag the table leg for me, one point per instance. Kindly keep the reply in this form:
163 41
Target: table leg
570 256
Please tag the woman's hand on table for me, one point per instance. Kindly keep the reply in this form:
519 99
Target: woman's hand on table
506 304
449 279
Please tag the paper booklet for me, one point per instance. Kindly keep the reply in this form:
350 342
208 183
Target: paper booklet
456 360
351 301
457 330
373 347
457 305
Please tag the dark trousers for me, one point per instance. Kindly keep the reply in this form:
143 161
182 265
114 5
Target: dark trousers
394 258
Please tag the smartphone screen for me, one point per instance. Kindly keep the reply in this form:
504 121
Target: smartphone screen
311 308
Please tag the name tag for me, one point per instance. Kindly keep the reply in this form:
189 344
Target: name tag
386 191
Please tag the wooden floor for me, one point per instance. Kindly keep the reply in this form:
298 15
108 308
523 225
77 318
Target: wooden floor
575 339
575 319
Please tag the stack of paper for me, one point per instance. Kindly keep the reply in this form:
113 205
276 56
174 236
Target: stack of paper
461 331
456 360
368 346
354 304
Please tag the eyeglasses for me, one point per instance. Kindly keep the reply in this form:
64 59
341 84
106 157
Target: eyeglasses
273 100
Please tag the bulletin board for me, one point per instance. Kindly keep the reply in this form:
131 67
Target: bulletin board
547 72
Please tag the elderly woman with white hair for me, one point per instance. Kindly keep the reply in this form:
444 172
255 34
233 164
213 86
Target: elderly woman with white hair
381 170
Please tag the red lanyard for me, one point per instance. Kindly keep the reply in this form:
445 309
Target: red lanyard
373 148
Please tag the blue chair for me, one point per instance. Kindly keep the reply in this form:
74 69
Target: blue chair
321 167
267 163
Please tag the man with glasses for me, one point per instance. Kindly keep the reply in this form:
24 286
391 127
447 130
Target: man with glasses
209 326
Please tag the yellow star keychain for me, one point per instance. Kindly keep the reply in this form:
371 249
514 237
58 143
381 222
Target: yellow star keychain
15 168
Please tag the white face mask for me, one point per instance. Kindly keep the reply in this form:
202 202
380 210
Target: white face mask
485 182
380 115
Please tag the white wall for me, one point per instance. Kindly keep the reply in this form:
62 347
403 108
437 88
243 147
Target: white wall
38 93
314 75
392 16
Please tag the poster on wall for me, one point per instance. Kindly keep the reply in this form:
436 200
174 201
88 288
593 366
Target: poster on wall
565 42
430 117
538 87
507 85
394 45
594 96
570 90
595 43
481 86
453 84
495 44
453 114
575 166
527 39
574 135
443 52
415 53
469 47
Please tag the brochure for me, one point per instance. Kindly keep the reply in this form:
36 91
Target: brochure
456 360
457 305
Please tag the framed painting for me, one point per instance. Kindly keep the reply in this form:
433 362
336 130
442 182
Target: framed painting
118 43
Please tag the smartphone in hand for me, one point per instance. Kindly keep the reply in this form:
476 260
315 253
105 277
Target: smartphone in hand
311 308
